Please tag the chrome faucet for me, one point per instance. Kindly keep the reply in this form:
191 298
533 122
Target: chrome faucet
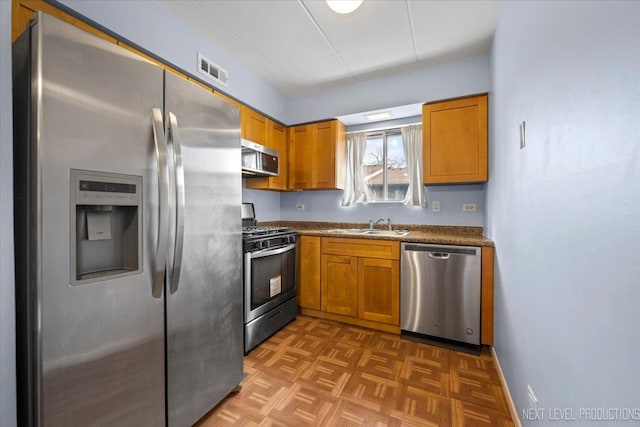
373 224
389 223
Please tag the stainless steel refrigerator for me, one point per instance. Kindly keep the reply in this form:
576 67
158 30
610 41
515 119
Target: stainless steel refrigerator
128 236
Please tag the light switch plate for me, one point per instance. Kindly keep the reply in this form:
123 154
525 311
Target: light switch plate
469 207
435 206
299 207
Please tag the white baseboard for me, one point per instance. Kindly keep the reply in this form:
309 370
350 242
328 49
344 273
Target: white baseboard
505 387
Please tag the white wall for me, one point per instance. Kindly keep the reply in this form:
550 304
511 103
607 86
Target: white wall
7 307
152 27
564 210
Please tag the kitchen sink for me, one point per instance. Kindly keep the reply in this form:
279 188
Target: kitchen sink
369 232
347 230
386 232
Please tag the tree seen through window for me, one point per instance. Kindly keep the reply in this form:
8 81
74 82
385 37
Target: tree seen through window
385 166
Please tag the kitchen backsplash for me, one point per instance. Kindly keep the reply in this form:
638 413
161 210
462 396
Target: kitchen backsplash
325 206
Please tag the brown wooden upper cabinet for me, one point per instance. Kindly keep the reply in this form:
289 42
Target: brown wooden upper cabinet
317 156
257 128
228 99
254 126
23 11
454 139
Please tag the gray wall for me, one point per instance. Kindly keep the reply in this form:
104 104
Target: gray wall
266 203
464 77
7 310
325 206
564 210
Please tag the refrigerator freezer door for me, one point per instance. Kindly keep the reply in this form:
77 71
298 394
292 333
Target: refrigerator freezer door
204 312
98 348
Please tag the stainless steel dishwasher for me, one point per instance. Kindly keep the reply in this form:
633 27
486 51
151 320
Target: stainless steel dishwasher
440 291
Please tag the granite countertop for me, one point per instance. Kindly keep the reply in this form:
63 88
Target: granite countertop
437 234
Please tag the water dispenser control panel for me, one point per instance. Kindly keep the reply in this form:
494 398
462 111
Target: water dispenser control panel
105 226
105 192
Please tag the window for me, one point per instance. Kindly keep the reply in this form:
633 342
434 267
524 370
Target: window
385 166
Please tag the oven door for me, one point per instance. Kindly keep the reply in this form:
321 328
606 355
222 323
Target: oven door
269 279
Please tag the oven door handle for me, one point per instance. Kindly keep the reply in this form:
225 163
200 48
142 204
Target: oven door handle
269 252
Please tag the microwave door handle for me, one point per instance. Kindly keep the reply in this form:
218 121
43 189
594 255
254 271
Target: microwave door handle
163 202
269 252
180 202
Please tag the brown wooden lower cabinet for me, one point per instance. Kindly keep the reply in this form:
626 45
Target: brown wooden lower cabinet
486 308
309 272
339 285
379 290
359 281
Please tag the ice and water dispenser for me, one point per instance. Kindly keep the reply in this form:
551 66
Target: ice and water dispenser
106 227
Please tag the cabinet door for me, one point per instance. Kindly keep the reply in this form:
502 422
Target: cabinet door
278 141
300 157
454 137
339 285
324 156
328 155
364 248
309 272
254 126
379 290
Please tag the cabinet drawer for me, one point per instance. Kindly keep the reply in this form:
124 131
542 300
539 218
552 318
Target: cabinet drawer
369 248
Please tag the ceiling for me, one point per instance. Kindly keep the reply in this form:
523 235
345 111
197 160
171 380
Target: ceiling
301 46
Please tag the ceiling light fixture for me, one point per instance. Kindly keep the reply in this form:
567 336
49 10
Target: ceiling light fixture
343 6
380 115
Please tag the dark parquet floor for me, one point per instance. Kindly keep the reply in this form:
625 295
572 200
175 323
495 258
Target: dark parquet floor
322 373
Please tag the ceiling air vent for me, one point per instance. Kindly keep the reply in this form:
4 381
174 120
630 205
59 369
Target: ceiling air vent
213 71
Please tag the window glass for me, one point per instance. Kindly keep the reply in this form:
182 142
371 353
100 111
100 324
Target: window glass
385 167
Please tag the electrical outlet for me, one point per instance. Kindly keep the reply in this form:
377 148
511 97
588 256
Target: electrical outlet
533 400
435 206
469 207
522 136
299 207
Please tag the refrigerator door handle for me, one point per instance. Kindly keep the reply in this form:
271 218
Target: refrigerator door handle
180 202
163 203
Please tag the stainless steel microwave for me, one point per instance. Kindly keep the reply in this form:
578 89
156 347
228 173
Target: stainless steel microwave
258 160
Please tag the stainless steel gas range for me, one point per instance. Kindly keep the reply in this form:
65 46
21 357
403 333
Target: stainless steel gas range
270 300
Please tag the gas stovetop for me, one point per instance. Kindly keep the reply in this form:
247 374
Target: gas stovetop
264 230
264 237
251 230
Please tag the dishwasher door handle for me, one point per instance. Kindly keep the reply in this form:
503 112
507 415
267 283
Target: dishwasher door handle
437 255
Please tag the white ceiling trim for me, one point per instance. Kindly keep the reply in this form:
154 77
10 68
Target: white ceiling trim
413 32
